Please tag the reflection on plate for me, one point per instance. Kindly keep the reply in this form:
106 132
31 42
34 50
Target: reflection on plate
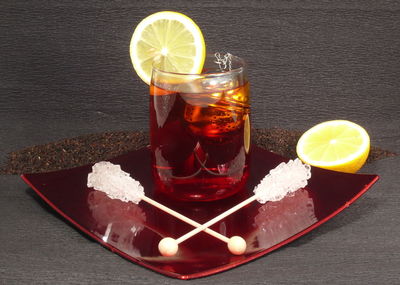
277 220
133 231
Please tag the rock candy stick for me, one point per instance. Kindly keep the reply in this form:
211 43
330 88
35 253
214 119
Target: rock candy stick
281 181
117 184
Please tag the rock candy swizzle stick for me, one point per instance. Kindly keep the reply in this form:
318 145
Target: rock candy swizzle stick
282 180
117 184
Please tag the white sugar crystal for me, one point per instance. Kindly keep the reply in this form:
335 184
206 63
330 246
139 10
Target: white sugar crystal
117 184
282 180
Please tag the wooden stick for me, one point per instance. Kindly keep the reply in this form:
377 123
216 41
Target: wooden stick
236 244
185 219
216 219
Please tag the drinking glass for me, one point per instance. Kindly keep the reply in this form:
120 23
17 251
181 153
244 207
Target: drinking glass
200 129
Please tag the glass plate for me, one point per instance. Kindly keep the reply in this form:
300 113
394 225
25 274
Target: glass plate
133 231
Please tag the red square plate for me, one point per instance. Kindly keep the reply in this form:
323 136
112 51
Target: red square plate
133 231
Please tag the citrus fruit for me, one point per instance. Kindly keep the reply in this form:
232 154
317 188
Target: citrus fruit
173 38
336 145
247 136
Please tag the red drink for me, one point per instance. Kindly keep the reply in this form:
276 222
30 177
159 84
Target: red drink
200 138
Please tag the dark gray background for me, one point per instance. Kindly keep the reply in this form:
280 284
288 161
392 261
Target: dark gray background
65 71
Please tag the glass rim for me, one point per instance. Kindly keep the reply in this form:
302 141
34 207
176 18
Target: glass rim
239 69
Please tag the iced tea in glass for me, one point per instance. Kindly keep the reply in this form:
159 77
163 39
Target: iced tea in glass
200 130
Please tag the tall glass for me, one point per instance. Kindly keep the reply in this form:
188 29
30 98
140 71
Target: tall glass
200 130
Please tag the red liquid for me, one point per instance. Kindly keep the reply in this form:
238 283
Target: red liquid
199 142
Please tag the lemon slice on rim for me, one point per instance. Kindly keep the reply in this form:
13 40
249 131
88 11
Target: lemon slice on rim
336 145
172 37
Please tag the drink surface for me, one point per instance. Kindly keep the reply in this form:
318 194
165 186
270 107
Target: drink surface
199 140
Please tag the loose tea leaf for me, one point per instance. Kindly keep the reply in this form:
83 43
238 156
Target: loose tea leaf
92 148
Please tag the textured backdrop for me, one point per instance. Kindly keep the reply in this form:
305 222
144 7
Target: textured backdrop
308 62
65 70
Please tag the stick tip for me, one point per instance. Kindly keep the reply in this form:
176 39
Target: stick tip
237 245
168 246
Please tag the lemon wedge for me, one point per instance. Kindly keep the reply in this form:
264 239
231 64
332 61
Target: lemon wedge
172 37
338 145
247 136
